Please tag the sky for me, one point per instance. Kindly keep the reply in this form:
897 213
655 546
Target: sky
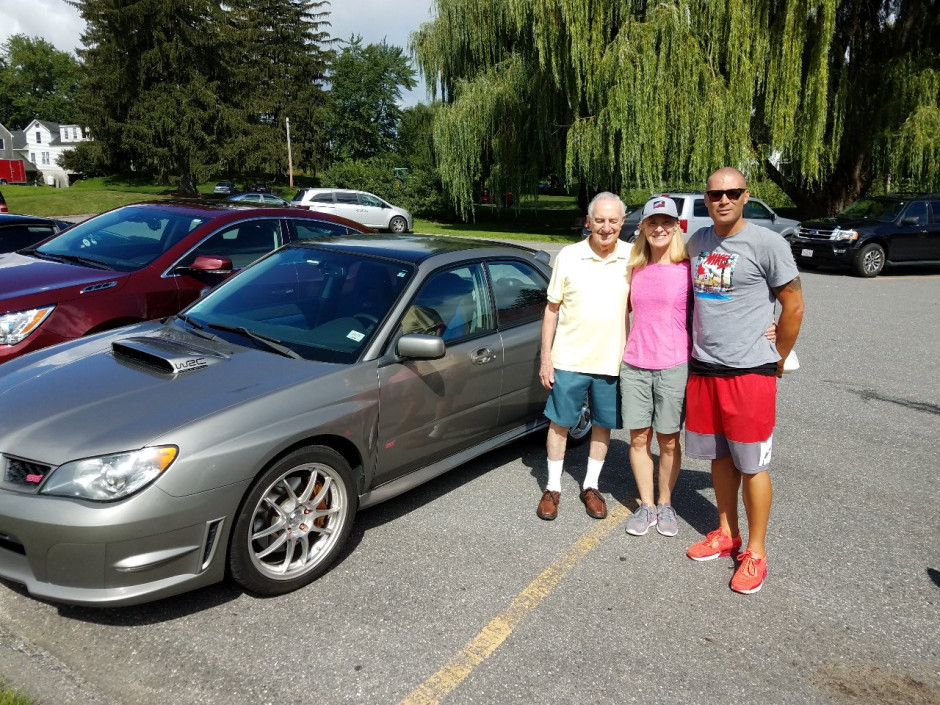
61 25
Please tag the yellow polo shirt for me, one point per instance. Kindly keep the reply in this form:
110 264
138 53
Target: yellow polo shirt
592 297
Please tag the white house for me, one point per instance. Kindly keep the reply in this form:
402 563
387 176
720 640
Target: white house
44 144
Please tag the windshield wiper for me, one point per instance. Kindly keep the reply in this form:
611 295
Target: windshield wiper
200 329
75 259
271 343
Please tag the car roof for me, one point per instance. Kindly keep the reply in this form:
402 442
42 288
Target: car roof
235 210
414 249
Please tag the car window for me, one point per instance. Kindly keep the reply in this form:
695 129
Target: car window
452 303
252 197
19 236
368 200
312 229
242 243
519 290
324 305
755 211
699 209
918 211
935 207
347 197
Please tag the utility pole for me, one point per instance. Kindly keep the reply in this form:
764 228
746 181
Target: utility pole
290 158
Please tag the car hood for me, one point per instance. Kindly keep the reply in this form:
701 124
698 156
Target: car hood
844 223
118 392
32 278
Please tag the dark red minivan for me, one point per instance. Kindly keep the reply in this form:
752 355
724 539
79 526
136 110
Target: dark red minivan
137 263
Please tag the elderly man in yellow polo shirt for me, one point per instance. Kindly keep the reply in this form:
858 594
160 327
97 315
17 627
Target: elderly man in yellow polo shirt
583 336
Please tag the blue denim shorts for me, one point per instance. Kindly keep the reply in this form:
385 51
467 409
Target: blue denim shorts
567 396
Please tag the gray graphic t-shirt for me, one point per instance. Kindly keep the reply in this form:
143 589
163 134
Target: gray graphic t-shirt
734 302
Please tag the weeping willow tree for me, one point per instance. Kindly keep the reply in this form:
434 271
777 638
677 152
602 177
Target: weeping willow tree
824 97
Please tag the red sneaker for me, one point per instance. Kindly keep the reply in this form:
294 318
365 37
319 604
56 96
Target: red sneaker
714 545
749 577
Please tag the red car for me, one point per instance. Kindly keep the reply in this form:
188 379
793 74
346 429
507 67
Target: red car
137 263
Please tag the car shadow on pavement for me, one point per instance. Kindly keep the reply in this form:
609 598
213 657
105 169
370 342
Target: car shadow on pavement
164 610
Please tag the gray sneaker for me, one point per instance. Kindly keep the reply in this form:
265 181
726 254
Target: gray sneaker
643 518
666 523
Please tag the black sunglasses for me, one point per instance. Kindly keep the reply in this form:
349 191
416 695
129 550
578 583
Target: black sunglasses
733 194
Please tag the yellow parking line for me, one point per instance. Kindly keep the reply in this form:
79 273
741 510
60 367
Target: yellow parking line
482 646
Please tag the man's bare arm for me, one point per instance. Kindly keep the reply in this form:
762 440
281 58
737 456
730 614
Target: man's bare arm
549 325
790 296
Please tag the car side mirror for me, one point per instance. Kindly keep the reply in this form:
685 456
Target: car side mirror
211 264
913 220
421 346
773 217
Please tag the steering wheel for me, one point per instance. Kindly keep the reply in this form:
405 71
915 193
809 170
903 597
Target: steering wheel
368 319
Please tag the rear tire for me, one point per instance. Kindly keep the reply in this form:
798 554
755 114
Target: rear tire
293 522
870 260
581 431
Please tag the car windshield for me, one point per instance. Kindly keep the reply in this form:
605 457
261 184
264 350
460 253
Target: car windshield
126 239
323 305
883 209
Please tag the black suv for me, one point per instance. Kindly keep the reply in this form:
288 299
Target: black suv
872 232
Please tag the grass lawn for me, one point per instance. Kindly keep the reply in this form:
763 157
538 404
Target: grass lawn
550 219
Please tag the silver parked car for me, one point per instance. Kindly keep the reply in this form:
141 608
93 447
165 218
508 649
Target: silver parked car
360 206
242 435
693 214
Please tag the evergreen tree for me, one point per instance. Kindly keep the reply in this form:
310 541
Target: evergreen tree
276 54
366 85
37 82
825 96
151 96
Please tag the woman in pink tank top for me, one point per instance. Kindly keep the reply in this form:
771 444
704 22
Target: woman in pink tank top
655 362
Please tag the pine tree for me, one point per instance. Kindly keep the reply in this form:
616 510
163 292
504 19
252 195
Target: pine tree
276 56
826 97
151 97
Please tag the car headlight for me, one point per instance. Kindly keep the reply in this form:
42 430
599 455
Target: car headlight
110 477
16 326
839 234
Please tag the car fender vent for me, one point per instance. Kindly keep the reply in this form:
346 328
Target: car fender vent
165 357
99 287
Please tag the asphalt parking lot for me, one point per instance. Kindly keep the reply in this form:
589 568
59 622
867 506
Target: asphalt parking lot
458 593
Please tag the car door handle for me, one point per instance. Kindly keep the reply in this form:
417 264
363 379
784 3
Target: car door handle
482 356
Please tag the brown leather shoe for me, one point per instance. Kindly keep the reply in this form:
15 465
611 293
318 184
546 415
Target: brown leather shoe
548 505
594 503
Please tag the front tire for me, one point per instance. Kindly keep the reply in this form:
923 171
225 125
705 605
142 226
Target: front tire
293 522
398 224
870 260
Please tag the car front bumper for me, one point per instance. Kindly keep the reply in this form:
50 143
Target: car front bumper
839 252
149 546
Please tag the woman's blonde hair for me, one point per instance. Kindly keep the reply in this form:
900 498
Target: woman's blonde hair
641 253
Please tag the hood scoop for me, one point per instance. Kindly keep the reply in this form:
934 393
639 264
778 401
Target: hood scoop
163 355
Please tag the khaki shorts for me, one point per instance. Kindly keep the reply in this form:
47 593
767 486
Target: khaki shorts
653 398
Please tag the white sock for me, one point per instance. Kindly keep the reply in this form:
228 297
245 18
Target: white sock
593 473
554 475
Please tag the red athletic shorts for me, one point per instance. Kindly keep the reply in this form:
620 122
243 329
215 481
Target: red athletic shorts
731 416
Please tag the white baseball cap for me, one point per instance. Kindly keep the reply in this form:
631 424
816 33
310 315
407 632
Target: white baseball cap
660 205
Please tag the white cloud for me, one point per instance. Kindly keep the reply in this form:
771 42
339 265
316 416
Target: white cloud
61 25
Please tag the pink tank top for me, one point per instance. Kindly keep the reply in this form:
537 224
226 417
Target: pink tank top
659 332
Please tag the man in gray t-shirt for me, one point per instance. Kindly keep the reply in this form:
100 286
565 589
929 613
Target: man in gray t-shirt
739 271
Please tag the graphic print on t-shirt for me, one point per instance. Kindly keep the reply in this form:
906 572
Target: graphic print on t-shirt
714 275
